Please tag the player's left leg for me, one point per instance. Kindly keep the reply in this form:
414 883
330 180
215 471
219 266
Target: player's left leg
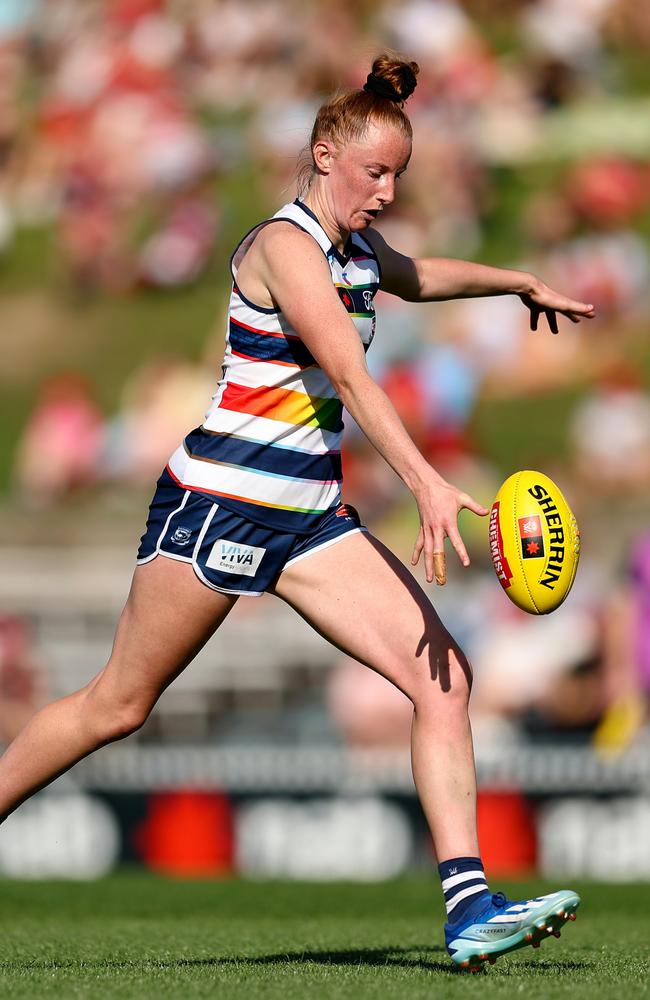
360 597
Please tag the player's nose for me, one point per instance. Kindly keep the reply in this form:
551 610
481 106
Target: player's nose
387 193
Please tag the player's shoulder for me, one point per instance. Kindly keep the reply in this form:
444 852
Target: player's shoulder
278 233
283 241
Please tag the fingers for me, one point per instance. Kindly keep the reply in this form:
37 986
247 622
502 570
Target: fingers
534 317
471 504
459 545
576 315
431 539
440 568
434 556
578 308
573 310
551 303
439 520
419 545
551 319
436 561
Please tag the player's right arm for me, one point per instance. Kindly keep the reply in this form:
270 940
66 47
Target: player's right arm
296 275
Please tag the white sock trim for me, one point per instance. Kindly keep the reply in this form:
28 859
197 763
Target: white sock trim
463 894
449 883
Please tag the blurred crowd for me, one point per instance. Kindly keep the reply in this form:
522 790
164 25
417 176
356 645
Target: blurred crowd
120 117
120 123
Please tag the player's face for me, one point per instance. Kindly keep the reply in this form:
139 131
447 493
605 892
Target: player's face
364 174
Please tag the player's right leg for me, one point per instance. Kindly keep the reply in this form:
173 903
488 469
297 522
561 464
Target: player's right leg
358 595
169 615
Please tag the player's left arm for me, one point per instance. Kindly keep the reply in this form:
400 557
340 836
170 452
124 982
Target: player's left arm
433 279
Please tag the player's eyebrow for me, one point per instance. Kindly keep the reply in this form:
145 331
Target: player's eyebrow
382 166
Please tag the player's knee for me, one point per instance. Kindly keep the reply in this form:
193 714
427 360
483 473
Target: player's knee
128 718
447 681
461 670
113 715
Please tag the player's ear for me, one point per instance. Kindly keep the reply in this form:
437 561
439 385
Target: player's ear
323 152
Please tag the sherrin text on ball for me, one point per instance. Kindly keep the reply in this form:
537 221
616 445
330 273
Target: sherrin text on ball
534 542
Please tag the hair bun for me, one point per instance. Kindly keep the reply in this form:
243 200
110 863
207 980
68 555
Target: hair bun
392 77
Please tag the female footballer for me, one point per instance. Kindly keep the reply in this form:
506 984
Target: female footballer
251 500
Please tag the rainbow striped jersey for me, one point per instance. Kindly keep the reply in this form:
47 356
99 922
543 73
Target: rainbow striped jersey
270 445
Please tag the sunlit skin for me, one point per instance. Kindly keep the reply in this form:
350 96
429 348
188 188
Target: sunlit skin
362 177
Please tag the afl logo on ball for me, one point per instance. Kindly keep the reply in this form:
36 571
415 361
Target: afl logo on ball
532 540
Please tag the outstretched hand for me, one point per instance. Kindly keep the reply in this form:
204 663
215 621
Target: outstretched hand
542 299
439 504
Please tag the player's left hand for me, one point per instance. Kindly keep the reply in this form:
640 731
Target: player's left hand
439 504
542 299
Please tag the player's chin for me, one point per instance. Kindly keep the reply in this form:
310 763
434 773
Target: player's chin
361 220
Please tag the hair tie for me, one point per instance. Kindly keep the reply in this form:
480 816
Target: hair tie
382 87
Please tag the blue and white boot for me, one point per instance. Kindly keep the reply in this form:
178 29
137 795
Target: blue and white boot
503 925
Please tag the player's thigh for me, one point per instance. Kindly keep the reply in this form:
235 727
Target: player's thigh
168 617
360 597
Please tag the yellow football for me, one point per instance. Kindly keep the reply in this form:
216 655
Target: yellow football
534 542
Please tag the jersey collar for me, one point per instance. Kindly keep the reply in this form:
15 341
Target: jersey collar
342 258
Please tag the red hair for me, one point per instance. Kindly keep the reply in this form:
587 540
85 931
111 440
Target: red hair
345 117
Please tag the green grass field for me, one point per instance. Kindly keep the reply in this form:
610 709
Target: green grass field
139 936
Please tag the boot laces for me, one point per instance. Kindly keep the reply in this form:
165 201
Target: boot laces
499 899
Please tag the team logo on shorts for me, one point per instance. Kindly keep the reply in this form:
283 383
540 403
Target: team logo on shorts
181 536
530 534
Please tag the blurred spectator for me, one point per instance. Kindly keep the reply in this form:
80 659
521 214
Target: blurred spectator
610 432
609 192
161 402
118 134
60 449
542 669
178 251
114 139
366 709
627 653
570 32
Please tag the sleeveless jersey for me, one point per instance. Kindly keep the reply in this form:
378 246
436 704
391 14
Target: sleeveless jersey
270 445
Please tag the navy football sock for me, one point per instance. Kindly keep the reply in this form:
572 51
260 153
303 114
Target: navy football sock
463 883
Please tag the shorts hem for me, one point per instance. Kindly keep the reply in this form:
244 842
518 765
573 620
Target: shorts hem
224 590
199 575
323 545
147 559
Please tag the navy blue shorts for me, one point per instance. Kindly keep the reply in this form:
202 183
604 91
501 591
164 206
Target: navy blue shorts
228 552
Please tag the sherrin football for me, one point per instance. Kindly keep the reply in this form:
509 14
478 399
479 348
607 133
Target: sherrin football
534 542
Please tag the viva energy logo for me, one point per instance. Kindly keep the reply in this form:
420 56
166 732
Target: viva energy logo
233 557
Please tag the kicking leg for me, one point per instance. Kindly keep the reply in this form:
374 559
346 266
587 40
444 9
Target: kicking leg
168 617
360 597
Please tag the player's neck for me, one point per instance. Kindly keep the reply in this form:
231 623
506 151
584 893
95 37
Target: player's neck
316 203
